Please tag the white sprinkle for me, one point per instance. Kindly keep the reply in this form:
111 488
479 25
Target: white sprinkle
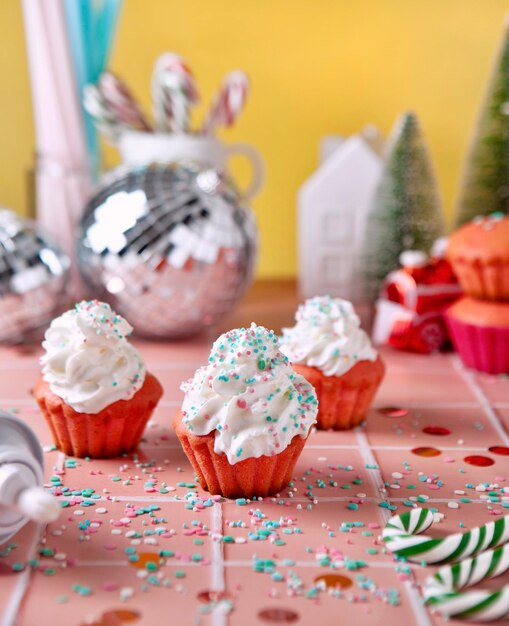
116 531
79 512
459 492
397 475
150 541
101 510
453 505
60 556
126 593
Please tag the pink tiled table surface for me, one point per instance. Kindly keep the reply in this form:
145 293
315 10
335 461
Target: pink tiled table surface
143 544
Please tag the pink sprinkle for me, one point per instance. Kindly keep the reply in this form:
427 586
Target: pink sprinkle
448 459
241 403
433 486
110 585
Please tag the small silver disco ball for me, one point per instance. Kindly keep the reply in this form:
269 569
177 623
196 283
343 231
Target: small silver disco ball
169 246
33 277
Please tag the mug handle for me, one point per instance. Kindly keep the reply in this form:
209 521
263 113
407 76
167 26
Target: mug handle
257 166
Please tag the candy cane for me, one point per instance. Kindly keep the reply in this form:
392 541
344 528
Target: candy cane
121 102
173 92
104 118
401 535
228 103
442 591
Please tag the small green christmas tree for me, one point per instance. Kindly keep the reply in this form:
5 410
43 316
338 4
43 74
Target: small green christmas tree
485 182
406 213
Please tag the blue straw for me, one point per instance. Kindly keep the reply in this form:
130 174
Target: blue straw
91 26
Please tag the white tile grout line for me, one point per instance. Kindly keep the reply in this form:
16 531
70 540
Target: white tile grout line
298 500
229 563
420 612
10 614
10 611
413 596
375 474
476 389
219 617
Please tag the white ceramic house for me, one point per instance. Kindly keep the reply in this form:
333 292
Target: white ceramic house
333 207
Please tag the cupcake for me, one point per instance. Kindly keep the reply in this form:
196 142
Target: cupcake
479 254
94 392
328 347
480 334
245 416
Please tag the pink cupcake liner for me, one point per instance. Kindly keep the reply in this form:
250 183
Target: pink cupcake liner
483 348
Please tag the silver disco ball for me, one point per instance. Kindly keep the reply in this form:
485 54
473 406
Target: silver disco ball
169 246
33 277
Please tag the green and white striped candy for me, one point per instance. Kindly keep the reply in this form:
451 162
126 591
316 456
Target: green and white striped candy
402 537
443 590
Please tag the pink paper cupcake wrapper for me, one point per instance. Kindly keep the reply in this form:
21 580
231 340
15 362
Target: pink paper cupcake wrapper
484 348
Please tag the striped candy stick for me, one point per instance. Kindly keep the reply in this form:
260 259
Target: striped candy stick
174 91
228 102
121 102
443 590
401 535
105 120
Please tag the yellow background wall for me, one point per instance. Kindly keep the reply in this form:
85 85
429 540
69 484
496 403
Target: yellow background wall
317 67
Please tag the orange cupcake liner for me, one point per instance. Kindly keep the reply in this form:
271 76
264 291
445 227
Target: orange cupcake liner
344 401
254 477
115 430
484 281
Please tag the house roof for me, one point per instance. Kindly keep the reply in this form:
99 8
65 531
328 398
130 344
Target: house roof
338 170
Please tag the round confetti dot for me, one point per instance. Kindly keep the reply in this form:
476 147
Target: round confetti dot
278 615
393 411
7 570
439 431
426 452
210 596
120 615
144 558
334 581
479 460
504 450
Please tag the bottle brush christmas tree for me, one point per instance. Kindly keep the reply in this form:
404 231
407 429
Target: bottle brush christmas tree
485 182
406 213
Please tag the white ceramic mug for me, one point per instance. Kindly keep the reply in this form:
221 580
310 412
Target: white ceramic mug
138 148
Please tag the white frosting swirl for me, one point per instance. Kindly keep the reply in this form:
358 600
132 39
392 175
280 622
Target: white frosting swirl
89 362
327 336
250 395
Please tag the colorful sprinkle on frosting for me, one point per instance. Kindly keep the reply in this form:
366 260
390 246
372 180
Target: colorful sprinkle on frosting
88 362
327 336
250 395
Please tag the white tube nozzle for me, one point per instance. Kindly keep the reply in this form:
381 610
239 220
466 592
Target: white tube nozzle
38 505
